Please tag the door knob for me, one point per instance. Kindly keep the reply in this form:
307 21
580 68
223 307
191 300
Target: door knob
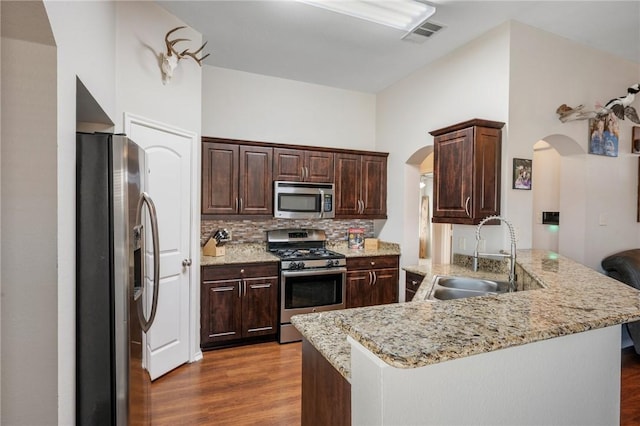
186 262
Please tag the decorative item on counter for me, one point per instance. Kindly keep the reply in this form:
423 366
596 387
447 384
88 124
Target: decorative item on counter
355 239
215 244
371 244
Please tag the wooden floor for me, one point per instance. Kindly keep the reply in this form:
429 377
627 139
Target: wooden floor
249 385
260 385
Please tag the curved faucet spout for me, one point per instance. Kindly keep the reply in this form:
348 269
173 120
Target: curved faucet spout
512 254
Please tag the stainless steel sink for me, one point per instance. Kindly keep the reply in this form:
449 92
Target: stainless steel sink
447 288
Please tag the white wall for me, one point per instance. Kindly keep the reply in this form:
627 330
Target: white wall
141 28
472 82
29 230
519 75
85 40
547 71
240 105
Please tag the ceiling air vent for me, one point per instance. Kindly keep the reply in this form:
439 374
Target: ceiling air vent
423 32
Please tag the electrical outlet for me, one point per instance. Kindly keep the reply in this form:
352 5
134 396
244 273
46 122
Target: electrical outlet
539 217
603 220
462 243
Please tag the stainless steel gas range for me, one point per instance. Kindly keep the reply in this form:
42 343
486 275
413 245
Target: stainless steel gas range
313 279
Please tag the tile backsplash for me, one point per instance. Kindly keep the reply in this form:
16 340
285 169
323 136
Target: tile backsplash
255 230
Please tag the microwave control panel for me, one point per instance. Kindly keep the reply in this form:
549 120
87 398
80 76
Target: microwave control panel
328 202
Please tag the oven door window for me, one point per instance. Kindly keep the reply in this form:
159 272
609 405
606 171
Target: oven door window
309 203
312 290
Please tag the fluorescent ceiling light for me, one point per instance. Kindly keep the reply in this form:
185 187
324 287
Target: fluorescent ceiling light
401 14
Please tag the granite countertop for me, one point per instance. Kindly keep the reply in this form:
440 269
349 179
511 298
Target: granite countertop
257 253
571 298
240 253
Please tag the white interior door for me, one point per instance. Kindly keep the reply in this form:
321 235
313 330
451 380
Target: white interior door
168 183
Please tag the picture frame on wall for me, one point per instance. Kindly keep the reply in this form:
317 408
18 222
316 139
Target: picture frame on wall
603 135
635 140
522 173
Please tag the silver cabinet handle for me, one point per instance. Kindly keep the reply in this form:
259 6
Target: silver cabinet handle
145 323
239 289
260 285
220 289
466 206
186 262
375 278
370 278
240 211
237 205
302 172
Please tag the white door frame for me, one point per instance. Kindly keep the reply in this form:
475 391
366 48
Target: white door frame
195 353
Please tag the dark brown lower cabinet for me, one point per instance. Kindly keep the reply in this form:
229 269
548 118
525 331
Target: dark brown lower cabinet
412 283
326 395
372 280
239 303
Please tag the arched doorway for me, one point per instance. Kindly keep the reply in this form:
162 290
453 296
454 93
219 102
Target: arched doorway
434 240
558 185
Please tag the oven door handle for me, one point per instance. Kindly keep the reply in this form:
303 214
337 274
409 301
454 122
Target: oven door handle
307 272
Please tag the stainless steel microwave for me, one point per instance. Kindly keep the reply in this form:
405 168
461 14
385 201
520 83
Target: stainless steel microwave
303 200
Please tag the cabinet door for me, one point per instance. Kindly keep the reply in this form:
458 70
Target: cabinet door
412 283
348 182
487 169
358 289
452 175
374 186
219 178
384 288
221 311
255 186
259 306
288 164
319 166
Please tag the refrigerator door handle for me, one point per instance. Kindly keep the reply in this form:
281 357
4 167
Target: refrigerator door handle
145 323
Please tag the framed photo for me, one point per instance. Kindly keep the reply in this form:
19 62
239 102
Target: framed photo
635 140
522 173
603 135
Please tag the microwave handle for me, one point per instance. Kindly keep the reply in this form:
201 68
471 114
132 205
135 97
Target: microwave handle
321 203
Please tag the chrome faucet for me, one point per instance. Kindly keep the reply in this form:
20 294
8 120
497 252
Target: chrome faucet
511 256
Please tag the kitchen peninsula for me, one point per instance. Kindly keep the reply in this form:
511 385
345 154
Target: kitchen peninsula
544 356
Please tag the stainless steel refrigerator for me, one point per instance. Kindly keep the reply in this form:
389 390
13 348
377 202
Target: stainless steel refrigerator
112 216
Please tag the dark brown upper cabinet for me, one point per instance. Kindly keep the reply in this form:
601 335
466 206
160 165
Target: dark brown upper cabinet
236 179
361 185
300 165
467 169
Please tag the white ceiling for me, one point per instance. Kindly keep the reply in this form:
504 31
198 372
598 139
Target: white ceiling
300 42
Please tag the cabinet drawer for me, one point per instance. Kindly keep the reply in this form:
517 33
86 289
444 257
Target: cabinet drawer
413 281
240 270
373 262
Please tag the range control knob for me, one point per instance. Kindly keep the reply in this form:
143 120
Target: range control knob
332 262
296 265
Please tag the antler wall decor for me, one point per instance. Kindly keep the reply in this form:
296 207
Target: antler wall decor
171 56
